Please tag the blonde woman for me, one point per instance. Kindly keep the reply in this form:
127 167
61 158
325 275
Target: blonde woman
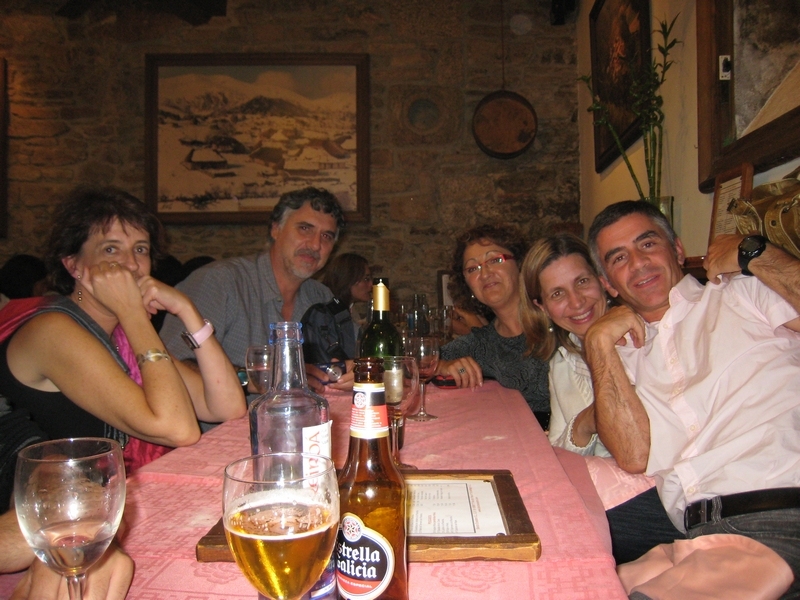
561 297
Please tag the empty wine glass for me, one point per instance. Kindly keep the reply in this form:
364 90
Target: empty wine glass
258 363
401 380
426 350
281 516
69 496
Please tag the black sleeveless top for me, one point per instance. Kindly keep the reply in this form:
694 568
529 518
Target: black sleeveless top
53 412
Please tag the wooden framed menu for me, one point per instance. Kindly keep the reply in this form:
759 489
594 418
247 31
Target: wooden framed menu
500 529
733 184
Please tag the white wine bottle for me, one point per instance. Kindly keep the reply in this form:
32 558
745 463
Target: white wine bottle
380 338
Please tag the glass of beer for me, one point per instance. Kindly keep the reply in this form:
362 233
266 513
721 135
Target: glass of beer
281 516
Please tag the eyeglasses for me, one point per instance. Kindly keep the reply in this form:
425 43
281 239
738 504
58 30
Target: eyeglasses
489 262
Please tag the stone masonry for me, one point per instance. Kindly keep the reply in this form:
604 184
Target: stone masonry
76 116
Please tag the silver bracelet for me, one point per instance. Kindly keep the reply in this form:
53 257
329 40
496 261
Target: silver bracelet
152 355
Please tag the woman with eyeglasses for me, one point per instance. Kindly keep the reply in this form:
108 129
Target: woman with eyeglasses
485 280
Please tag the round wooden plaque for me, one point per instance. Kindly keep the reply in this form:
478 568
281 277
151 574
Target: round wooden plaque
504 124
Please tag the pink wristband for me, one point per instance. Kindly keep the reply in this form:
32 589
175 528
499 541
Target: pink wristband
194 340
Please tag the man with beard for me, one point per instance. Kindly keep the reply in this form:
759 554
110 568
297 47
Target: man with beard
241 296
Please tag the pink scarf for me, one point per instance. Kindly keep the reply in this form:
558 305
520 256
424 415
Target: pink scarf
137 452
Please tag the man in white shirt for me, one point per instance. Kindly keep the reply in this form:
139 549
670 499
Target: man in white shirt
703 391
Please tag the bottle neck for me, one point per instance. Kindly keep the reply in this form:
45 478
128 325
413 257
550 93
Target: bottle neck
288 364
380 299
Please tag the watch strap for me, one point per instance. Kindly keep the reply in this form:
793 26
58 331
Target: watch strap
196 339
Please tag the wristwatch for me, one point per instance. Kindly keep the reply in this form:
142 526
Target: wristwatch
749 248
193 340
241 373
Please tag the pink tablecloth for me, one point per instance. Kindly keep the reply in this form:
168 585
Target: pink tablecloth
176 499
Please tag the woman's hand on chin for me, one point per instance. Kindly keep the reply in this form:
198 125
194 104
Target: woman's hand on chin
157 295
113 286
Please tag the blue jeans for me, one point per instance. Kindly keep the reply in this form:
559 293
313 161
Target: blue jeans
776 529
638 525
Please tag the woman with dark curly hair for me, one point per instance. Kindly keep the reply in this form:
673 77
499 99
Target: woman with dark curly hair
485 279
88 362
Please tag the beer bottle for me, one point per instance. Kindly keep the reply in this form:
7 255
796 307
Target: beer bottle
381 337
371 547
292 418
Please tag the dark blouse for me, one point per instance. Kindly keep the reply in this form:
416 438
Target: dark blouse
504 359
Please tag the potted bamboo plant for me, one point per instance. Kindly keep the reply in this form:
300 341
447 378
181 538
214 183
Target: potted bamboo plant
647 106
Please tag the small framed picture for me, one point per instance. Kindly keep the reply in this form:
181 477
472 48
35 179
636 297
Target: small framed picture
729 186
443 293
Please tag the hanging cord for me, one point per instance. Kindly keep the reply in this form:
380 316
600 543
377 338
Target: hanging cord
503 43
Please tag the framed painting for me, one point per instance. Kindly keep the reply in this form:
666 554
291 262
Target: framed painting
619 33
227 134
719 147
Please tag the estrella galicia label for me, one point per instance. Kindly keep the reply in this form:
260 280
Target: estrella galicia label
364 560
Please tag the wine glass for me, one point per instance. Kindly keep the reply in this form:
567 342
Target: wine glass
401 380
69 496
258 363
281 515
426 350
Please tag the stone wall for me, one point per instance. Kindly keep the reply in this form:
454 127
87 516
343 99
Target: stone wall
76 104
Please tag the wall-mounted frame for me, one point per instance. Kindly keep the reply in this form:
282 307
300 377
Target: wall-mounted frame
619 33
227 134
736 183
772 144
3 149
442 291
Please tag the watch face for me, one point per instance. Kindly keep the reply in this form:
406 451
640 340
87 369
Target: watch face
751 244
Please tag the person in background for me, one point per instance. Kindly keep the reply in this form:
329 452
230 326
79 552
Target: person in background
561 297
697 385
349 277
23 276
486 280
329 329
243 295
168 270
194 263
88 362
108 579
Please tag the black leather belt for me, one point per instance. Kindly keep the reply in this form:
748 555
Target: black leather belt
711 510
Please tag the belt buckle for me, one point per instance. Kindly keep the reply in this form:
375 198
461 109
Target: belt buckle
700 509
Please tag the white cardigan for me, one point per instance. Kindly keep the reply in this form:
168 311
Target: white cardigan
570 392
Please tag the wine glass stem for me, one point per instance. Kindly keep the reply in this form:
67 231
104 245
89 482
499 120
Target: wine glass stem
75 586
422 398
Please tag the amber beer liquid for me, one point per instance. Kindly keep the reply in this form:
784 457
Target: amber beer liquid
264 545
371 547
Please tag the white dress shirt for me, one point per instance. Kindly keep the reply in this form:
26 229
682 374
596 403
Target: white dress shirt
720 379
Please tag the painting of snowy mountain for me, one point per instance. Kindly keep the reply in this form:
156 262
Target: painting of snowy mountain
230 138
